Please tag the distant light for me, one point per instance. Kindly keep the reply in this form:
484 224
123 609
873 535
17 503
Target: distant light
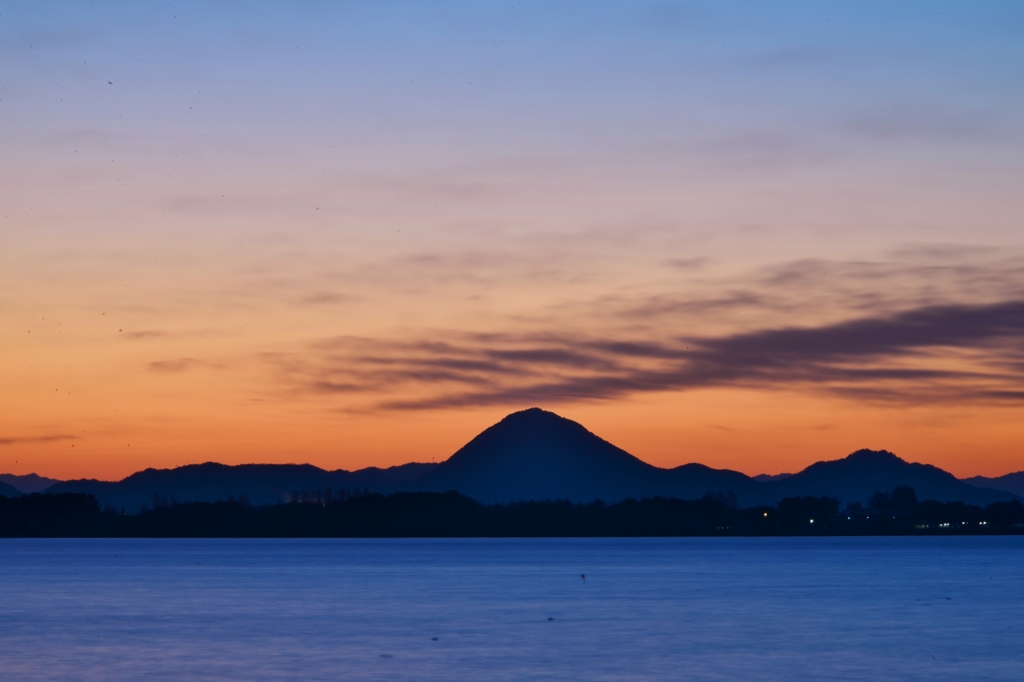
766 513
812 520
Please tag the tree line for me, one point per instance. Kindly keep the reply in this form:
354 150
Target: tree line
359 514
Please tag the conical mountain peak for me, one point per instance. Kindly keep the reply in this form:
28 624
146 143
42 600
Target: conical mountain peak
535 423
534 416
534 454
530 412
867 456
856 477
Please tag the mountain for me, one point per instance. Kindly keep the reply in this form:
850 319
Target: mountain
29 483
1011 483
857 477
259 483
538 455
764 478
9 490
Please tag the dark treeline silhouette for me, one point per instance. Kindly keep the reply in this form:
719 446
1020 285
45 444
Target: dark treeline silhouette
356 514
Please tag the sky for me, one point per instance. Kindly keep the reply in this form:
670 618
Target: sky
355 234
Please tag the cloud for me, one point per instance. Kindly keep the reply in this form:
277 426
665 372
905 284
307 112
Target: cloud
35 439
920 324
911 277
918 122
807 292
661 305
761 149
927 354
940 326
326 298
174 366
687 263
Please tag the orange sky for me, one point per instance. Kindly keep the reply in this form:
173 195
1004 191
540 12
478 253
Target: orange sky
359 238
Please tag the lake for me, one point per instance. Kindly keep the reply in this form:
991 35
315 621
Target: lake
658 609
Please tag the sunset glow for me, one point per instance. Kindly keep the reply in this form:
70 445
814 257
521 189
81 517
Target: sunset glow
753 237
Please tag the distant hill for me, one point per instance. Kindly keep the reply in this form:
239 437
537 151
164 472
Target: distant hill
1011 483
764 478
28 483
9 490
857 477
259 483
538 455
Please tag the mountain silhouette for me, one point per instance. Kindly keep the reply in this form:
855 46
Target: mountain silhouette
28 483
764 478
538 455
9 490
1011 483
258 483
858 476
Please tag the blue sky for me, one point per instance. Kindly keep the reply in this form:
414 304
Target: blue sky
260 192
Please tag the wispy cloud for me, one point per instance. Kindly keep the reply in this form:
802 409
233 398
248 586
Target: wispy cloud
175 366
920 324
921 122
28 440
928 354
326 298
687 263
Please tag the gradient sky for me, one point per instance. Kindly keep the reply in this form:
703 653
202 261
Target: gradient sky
355 234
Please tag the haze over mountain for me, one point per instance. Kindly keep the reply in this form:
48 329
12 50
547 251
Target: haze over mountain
8 490
28 483
1011 483
538 455
764 478
858 476
258 483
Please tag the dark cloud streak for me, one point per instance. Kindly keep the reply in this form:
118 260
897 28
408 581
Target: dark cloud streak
928 354
29 440
174 366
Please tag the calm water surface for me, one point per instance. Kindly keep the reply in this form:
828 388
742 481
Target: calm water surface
659 609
